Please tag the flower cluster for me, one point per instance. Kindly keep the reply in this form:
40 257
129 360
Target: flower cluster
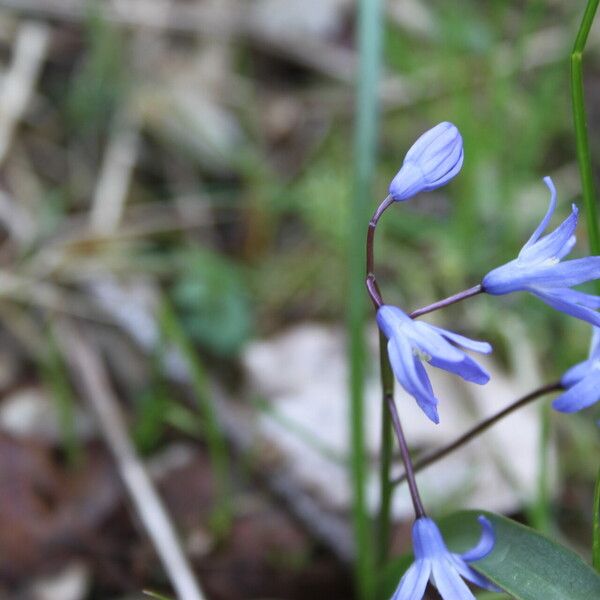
433 160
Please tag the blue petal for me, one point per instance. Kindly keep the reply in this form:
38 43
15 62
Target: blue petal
576 373
553 298
566 274
414 581
566 249
436 135
427 339
448 581
454 170
408 182
392 320
429 408
427 539
472 575
441 160
546 220
507 278
485 544
411 375
577 297
465 342
580 396
556 244
467 368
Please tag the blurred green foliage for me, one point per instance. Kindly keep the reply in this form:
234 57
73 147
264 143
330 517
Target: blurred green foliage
99 83
151 410
211 296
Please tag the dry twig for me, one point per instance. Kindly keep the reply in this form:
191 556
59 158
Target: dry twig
95 387
18 83
113 182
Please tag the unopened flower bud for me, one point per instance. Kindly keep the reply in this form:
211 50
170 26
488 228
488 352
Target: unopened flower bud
432 161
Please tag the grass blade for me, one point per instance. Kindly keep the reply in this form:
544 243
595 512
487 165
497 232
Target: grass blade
369 36
215 441
596 526
580 120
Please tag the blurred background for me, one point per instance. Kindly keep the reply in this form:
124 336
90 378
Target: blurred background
176 183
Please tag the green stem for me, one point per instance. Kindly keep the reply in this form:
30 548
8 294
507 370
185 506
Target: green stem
584 159
581 134
215 441
386 487
369 41
55 375
541 514
596 526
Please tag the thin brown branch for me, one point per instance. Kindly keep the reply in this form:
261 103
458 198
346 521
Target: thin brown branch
424 462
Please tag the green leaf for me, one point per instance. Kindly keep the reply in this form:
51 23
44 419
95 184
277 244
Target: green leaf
524 563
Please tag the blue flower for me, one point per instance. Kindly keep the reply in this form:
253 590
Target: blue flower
582 381
432 161
412 341
538 269
434 561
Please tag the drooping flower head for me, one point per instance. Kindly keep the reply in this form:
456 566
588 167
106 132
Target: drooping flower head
538 269
432 161
411 342
433 561
582 381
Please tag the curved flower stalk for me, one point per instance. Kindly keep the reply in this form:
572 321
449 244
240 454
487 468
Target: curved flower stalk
582 381
412 341
538 269
433 561
432 161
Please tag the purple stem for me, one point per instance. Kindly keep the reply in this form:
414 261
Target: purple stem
371 282
408 466
477 289
475 431
377 299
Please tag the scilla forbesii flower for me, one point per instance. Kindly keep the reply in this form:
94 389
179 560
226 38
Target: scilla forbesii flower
538 269
432 161
582 382
433 561
411 341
